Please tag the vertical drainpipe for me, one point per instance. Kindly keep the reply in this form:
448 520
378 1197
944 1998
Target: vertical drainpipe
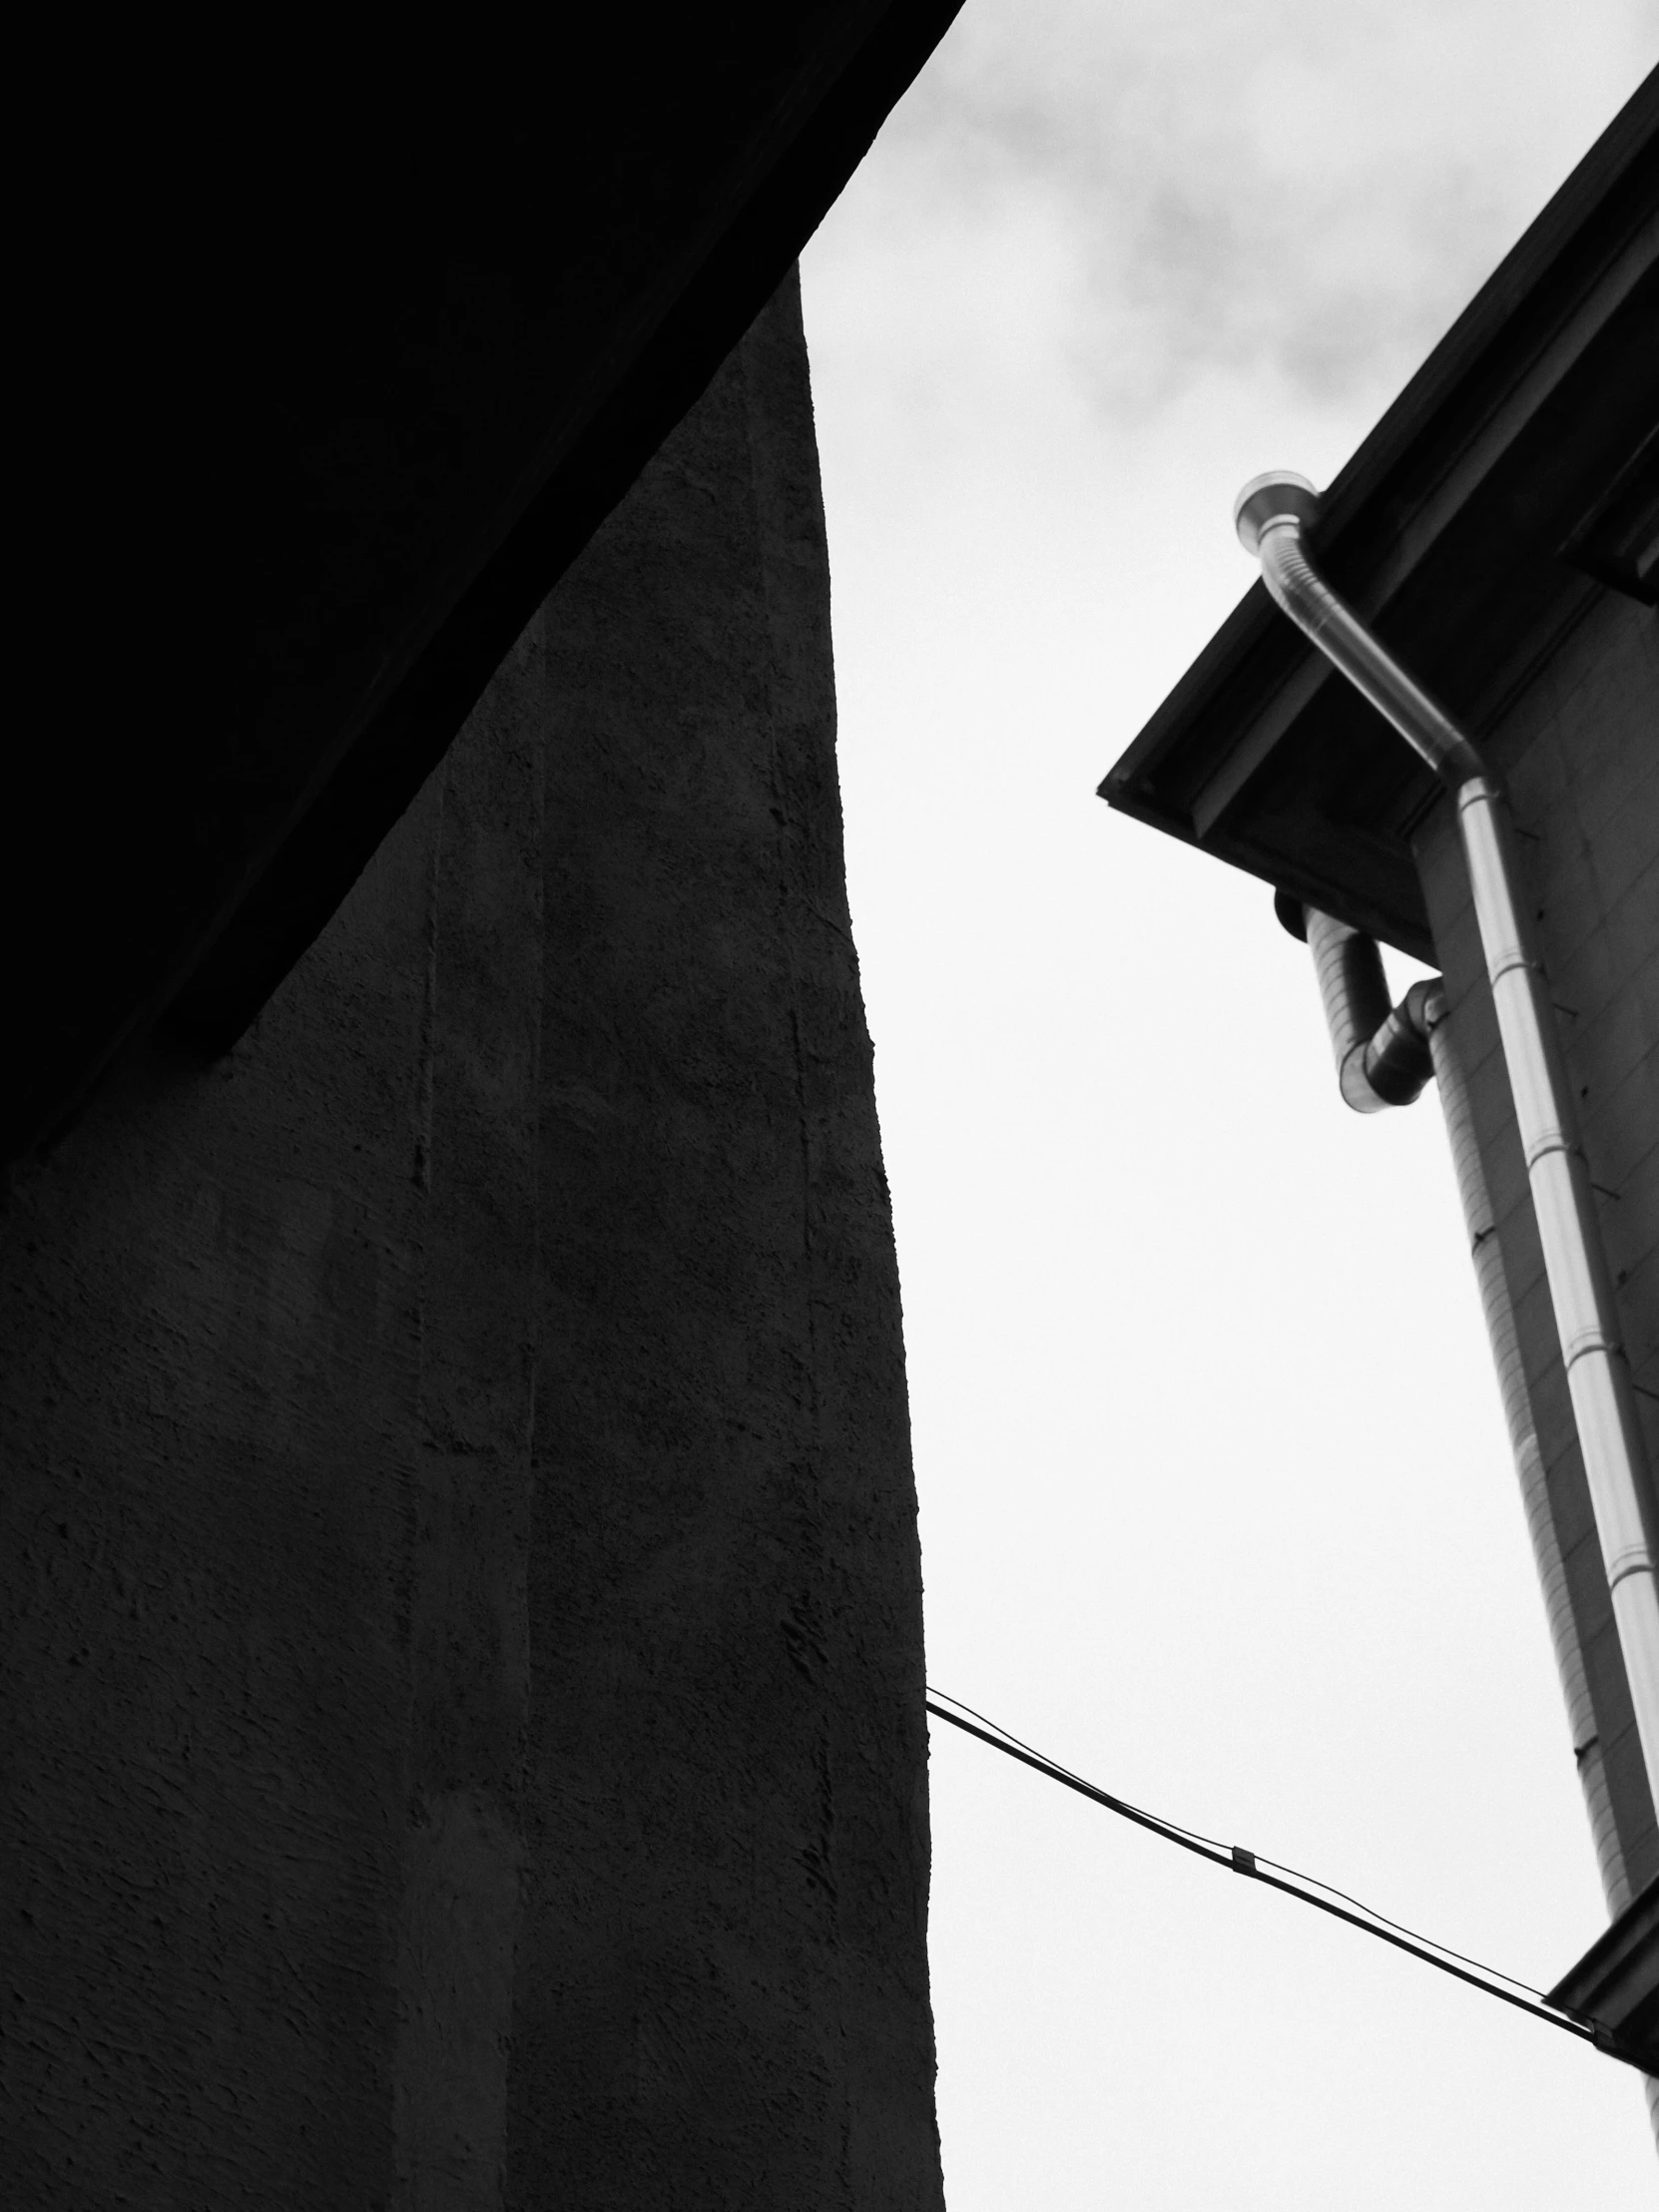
1270 515
1384 1058
1481 1225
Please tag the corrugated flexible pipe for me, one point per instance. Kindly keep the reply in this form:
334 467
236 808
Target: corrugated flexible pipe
1271 514
1405 1044
1383 1056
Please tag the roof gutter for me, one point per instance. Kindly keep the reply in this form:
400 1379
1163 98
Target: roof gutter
1271 514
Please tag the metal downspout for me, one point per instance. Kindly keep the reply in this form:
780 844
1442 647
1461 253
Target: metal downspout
1405 1044
1270 515
1523 1443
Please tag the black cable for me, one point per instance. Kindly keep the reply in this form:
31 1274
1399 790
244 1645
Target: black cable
1247 1863
1313 1882
1166 1828
1054 1766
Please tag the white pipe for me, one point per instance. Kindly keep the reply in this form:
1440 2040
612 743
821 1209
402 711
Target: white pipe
1368 1038
1529 1467
1481 1225
1365 1033
1270 515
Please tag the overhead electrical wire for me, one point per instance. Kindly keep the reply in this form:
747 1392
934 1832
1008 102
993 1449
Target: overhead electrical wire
1308 1888
1225 1852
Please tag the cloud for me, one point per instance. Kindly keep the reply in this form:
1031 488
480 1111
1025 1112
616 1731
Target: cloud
1307 187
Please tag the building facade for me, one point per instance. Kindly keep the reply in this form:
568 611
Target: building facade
462 1648
1499 533
464 1667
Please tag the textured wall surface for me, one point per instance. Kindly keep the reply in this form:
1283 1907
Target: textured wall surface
1578 751
462 1659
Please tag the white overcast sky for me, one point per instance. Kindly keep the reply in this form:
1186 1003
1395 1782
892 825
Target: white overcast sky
1216 1502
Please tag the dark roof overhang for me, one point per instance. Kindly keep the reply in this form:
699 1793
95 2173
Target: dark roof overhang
1516 477
1616 1982
343 351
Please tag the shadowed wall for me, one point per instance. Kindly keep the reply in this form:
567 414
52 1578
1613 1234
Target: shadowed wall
463 1663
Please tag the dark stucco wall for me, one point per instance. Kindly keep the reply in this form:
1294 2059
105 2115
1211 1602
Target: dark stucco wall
462 1667
1577 750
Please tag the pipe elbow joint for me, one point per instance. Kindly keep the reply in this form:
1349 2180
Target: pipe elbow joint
1397 1061
1355 1085
1279 497
1381 1052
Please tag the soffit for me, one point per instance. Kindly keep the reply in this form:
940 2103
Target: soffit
341 351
